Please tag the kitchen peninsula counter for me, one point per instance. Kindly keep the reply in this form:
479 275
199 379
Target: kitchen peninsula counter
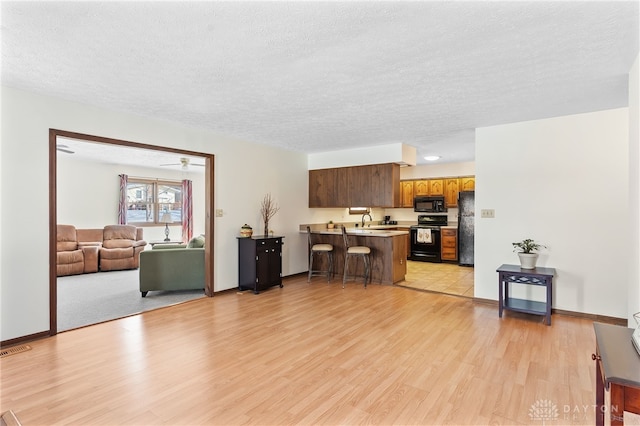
388 252
368 232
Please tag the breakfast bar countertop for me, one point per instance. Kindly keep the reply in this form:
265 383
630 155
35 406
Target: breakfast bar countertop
361 232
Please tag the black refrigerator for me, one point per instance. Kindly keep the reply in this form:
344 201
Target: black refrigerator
466 212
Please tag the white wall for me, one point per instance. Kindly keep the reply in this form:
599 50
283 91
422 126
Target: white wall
244 173
634 192
564 182
93 202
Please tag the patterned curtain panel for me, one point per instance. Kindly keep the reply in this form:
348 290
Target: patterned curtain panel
187 211
122 205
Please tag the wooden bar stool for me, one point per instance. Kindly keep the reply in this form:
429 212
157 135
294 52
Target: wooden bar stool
320 249
357 251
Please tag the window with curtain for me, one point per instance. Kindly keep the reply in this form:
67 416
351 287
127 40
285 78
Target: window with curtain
149 200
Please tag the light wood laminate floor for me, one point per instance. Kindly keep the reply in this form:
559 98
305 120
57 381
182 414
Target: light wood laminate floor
439 277
309 353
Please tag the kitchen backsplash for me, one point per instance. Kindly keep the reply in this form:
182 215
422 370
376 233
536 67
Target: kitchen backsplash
407 214
377 214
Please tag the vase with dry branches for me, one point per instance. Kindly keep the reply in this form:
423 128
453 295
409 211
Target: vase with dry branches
268 209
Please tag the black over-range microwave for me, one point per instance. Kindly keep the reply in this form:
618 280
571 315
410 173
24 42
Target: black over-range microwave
429 204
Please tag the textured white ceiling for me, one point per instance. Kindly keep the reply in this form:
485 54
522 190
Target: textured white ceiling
321 76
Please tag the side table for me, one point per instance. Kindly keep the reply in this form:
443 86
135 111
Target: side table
537 276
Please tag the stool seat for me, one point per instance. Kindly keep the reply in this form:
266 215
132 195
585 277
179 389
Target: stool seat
359 250
319 249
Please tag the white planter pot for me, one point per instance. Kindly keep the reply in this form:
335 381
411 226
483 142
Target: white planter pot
528 260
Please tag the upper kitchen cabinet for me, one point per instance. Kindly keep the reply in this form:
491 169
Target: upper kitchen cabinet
376 185
468 183
428 187
451 189
420 187
406 193
328 188
436 187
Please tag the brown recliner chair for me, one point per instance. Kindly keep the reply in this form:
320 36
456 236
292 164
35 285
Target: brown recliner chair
121 247
73 259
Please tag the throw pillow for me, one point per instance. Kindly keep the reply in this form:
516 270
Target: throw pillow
196 242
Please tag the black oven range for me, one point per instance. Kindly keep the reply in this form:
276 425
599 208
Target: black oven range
425 238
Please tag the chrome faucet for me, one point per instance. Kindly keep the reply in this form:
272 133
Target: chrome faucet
366 214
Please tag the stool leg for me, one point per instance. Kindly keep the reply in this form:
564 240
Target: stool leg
367 270
346 267
329 265
310 265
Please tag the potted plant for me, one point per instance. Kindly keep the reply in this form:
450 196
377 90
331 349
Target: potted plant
330 225
526 252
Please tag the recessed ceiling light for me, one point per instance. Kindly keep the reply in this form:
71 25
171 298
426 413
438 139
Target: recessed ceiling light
432 157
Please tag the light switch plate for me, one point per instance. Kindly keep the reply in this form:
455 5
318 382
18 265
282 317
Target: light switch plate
487 213
219 212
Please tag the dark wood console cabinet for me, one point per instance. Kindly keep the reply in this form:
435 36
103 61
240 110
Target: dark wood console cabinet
617 370
259 263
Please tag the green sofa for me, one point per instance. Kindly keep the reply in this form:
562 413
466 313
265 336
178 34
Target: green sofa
172 267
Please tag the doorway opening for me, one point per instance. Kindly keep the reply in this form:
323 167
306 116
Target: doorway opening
54 140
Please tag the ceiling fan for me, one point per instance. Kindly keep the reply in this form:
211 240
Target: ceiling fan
64 148
184 162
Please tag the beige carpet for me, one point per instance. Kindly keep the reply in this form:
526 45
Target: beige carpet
93 298
439 277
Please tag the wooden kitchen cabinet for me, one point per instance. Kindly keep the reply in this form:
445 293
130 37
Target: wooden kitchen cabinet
448 187
406 193
399 258
436 187
376 185
428 187
328 188
407 241
359 186
259 263
449 244
451 189
420 187
467 183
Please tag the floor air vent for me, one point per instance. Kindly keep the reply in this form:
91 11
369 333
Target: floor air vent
14 350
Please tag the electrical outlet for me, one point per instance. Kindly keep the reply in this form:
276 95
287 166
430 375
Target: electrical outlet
219 212
488 213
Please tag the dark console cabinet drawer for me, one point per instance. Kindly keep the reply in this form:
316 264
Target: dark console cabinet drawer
259 263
